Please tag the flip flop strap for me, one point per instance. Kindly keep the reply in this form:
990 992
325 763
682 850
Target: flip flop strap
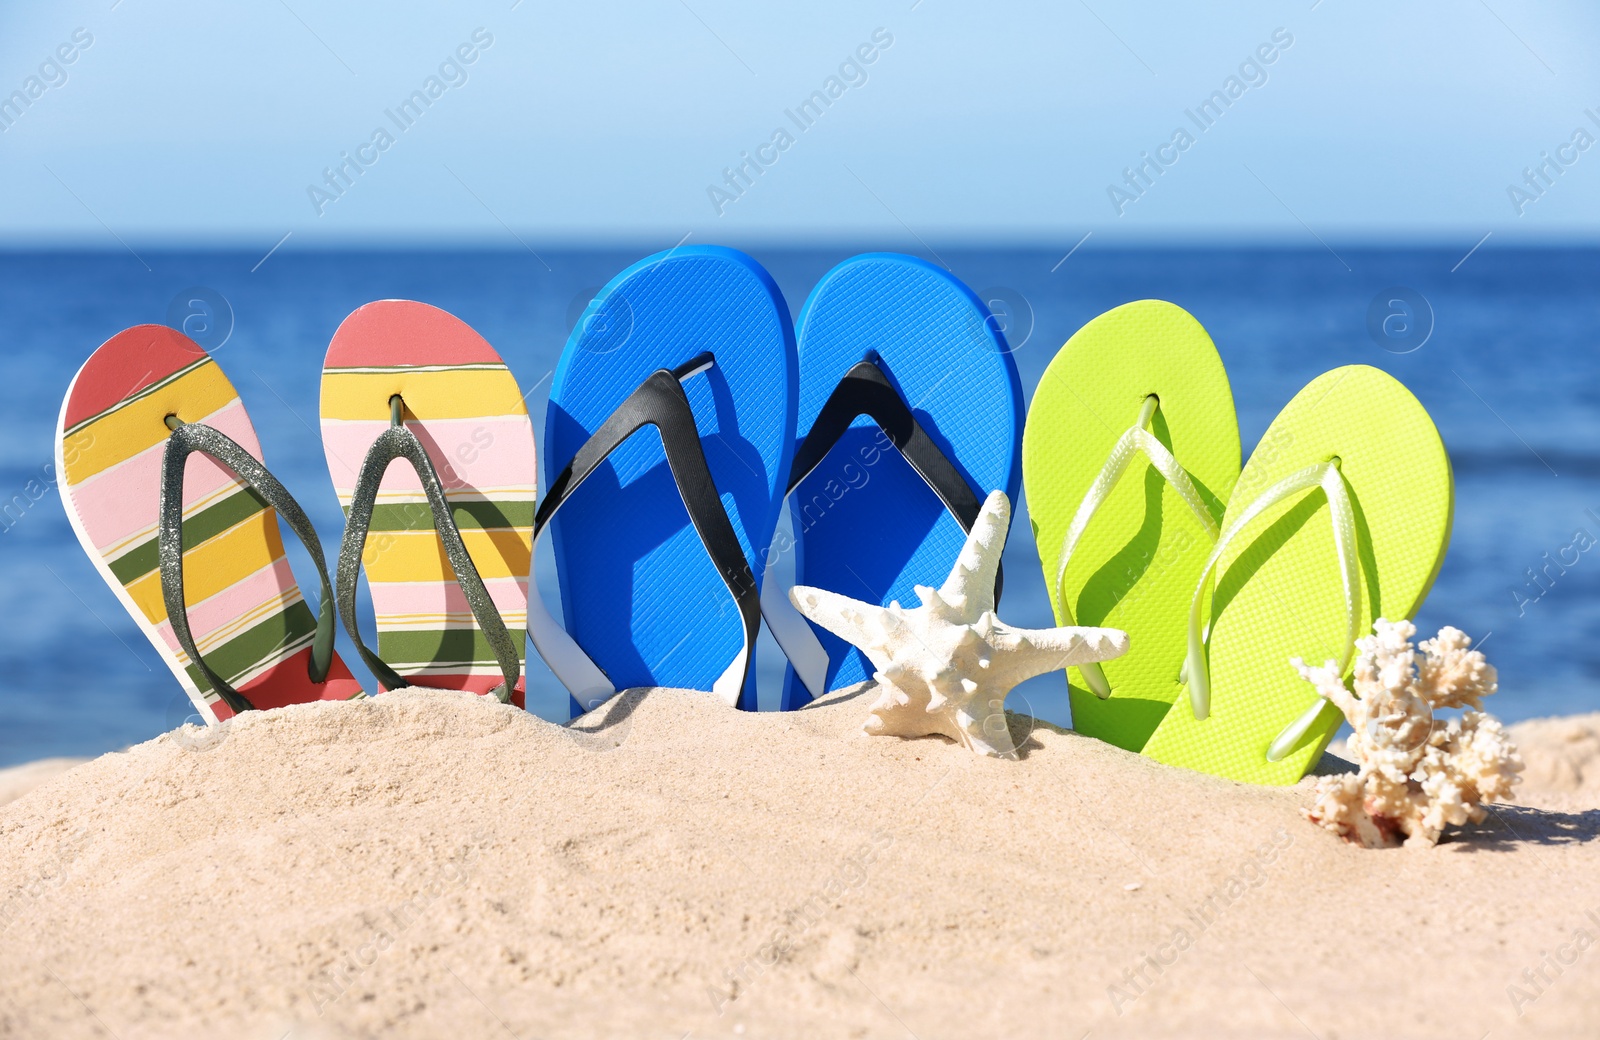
1137 438
398 442
187 438
1196 669
660 402
864 390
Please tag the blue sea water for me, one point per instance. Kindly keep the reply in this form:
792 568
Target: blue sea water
1501 350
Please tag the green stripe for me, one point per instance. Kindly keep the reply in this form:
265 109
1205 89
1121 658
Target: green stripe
418 516
208 523
249 648
450 644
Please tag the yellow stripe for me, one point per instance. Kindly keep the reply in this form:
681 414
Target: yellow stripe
138 425
454 394
152 388
213 565
419 556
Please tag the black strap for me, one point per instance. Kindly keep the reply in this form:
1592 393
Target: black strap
866 390
660 402
187 438
398 442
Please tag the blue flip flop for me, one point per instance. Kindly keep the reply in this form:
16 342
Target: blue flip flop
660 535
910 413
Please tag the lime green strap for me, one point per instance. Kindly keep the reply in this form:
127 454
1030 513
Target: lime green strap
1286 741
1138 438
1196 669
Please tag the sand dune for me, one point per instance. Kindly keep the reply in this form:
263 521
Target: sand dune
425 864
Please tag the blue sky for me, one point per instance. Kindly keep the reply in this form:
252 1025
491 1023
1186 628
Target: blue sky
210 123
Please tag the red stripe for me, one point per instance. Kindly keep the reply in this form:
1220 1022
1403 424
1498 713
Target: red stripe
125 364
287 683
404 332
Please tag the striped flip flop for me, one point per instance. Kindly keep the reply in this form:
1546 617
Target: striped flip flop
444 536
158 462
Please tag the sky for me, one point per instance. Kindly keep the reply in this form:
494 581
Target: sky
188 123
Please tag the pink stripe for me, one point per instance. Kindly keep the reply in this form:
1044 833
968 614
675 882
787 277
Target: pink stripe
432 597
123 500
238 599
492 452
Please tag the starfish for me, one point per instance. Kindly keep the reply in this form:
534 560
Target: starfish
945 668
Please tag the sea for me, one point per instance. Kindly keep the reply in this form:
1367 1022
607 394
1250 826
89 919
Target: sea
1500 345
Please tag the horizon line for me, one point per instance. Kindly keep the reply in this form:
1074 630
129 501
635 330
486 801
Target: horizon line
858 242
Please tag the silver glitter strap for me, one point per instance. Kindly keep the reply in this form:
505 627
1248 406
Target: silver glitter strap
187 438
398 442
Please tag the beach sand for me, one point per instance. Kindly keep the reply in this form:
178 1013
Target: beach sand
428 865
19 780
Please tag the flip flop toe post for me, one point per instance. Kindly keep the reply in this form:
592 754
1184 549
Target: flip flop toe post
910 415
668 438
1131 449
431 453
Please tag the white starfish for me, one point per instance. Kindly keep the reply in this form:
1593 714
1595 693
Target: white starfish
945 667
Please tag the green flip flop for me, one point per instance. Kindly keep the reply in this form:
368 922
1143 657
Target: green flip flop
1341 516
1130 450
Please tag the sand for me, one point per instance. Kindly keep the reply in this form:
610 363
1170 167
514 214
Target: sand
19 780
425 865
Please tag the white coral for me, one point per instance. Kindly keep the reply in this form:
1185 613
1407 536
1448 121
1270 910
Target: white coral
1415 776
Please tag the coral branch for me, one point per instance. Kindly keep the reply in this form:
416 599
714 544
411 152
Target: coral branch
1416 775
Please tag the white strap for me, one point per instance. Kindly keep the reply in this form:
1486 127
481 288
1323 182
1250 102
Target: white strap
590 686
1196 669
1137 438
789 627
583 678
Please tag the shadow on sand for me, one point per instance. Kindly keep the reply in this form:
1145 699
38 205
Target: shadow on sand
1509 826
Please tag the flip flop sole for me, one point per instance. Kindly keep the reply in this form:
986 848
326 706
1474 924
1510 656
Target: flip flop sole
1136 565
865 524
464 404
638 591
245 610
1278 594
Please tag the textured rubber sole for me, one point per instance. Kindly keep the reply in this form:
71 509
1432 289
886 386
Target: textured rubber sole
865 524
638 592
1279 595
1136 565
